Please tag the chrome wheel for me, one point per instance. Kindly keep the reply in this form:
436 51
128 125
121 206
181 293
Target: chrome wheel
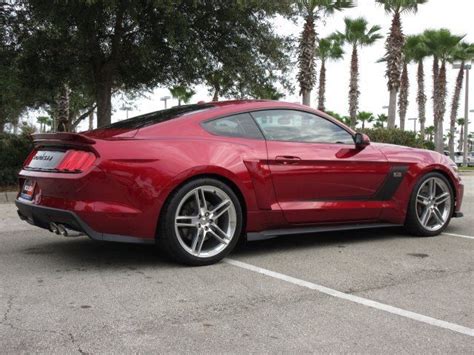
433 204
205 221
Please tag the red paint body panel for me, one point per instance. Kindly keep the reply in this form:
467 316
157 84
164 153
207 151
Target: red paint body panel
136 170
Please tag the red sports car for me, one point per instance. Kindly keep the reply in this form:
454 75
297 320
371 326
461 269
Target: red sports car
195 178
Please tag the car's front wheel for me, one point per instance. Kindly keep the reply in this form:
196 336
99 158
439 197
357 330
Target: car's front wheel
202 222
431 205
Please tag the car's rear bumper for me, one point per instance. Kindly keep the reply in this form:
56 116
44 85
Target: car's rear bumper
42 217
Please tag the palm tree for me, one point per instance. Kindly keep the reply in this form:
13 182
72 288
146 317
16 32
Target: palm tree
344 119
329 48
462 53
393 46
417 51
182 93
312 10
404 85
430 131
357 34
380 120
364 117
460 123
442 45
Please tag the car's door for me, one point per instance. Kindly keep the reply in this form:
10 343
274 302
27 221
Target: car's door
318 174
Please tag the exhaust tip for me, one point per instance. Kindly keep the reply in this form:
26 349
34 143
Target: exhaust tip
62 230
53 227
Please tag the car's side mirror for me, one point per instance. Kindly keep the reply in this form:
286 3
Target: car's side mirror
361 140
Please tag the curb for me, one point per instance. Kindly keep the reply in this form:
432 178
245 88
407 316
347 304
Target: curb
8 196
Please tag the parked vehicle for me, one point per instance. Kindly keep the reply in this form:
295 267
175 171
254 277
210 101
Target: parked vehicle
196 178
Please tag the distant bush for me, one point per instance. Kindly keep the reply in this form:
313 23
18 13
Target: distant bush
397 136
13 151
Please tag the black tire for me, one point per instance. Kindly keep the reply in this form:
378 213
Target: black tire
167 238
412 224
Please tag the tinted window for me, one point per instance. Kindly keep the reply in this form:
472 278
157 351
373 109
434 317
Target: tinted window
298 126
157 117
241 125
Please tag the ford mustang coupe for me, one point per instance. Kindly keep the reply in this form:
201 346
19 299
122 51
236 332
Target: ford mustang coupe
194 179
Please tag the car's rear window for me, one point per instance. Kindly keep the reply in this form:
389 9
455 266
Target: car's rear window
157 116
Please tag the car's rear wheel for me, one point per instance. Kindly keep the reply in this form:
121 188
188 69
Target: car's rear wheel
431 206
202 222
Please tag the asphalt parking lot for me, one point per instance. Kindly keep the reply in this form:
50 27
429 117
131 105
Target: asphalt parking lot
365 291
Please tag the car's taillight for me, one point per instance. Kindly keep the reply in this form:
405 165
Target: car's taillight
29 158
76 161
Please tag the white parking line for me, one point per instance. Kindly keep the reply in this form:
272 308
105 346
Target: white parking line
360 300
459 235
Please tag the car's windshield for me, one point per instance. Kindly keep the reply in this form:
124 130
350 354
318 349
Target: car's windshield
157 116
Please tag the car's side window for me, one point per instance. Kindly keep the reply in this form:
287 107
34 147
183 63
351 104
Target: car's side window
240 125
299 126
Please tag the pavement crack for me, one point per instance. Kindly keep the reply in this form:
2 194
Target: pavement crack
74 342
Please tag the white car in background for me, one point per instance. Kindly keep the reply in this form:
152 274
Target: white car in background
458 158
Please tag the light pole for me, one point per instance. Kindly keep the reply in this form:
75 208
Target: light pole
165 99
467 67
414 119
126 109
385 108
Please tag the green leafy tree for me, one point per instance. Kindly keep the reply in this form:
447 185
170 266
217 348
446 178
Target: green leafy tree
380 120
430 131
312 11
442 45
365 117
127 46
182 93
357 34
393 46
329 48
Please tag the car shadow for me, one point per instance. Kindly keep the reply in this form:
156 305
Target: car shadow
317 240
83 252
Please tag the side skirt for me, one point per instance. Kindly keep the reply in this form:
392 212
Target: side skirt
273 233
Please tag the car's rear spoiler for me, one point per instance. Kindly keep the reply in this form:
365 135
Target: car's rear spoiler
61 138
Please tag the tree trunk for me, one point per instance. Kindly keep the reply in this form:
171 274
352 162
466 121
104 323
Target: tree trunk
91 121
104 101
307 67
322 86
421 98
354 87
216 94
403 99
454 109
394 57
392 109
440 107
461 138
306 97
63 109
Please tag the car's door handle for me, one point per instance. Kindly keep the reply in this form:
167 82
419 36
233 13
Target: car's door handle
287 159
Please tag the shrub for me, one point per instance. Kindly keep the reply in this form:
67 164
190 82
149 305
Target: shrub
397 136
13 152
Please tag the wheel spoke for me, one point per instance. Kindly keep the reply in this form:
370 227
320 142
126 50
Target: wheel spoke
186 221
432 188
442 198
198 240
437 214
200 199
216 236
222 208
423 200
425 216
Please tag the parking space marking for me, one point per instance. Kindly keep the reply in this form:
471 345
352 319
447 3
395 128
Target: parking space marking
356 299
459 235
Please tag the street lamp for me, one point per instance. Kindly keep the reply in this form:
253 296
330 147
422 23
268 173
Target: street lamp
414 119
385 108
165 99
467 67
